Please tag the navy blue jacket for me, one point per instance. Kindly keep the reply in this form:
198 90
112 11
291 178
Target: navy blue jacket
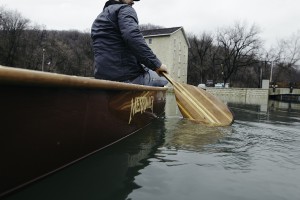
119 47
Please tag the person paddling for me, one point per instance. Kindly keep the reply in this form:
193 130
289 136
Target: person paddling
120 51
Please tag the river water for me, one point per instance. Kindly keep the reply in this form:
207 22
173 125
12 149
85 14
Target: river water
257 158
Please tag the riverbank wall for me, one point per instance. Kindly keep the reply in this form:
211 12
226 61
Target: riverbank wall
240 95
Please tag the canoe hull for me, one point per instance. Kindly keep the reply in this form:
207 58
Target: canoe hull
44 129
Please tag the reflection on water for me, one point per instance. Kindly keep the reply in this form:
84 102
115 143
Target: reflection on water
279 105
186 135
108 174
255 158
171 107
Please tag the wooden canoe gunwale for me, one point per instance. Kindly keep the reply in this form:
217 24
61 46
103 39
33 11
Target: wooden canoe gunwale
19 76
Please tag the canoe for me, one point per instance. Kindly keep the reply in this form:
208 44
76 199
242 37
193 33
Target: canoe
49 121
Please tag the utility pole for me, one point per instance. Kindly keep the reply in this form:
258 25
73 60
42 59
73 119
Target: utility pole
43 60
271 73
223 75
261 76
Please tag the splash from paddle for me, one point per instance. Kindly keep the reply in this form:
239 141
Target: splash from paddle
198 105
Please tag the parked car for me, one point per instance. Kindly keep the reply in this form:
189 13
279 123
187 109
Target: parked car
219 85
202 85
209 83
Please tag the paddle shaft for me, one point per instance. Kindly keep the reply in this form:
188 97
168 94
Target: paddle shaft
169 78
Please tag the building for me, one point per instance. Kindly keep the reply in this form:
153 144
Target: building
171 47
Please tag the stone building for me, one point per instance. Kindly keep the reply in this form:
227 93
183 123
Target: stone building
171 47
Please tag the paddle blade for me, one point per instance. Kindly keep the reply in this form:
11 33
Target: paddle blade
198 105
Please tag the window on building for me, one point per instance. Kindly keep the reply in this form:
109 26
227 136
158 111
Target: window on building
150 40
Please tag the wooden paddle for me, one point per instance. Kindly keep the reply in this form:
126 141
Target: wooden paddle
198 105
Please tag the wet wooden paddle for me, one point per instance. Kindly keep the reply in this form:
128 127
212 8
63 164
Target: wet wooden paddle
198 105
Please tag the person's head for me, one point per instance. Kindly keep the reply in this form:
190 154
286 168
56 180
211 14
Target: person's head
129 2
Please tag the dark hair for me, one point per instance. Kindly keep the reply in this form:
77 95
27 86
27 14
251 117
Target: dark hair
111 2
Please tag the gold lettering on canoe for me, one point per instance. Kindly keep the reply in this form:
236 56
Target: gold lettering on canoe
140 105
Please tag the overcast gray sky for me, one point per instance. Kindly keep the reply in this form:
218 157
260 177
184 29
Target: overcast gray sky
276 18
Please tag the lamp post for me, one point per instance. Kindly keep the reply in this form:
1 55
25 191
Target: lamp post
223 75
271 73
43 61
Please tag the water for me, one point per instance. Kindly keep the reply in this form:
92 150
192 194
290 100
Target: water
258 157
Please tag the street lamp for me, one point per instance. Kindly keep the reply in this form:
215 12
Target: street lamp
271 73
223 75
43 61
222 70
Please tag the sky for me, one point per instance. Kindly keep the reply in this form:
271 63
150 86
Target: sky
277 19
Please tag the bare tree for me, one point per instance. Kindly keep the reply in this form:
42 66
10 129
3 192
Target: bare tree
12 26
144 27
239 46
290 50
199 55
286 56
32 46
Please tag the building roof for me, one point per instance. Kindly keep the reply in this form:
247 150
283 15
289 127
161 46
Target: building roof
160 32
164 32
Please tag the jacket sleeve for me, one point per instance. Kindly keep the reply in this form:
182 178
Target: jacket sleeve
128 24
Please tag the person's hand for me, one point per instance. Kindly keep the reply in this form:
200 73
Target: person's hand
162 68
